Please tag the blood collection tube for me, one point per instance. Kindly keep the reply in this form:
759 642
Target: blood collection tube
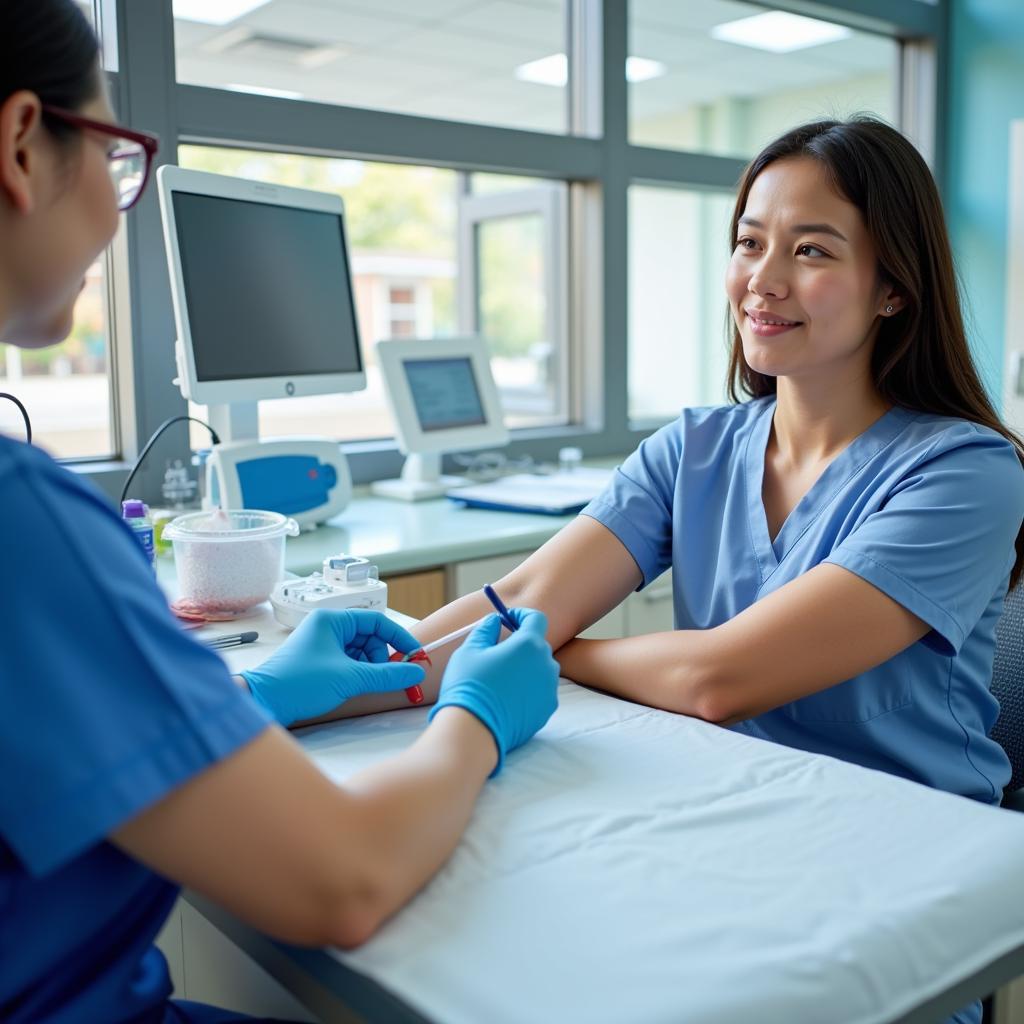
420 657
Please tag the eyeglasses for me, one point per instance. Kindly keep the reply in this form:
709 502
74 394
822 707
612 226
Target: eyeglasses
130 158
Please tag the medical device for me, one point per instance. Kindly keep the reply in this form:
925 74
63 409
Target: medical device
345 582
263 303
443 398
441 641
261 288
306 478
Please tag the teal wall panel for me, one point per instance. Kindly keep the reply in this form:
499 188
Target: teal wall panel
985 92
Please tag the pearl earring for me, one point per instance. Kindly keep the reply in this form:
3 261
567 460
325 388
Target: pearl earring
888 309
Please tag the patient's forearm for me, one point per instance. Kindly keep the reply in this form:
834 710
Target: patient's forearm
661 670
575 578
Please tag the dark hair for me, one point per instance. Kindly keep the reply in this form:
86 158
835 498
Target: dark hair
49 48
921 359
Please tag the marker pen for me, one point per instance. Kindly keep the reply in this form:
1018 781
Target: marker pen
499 606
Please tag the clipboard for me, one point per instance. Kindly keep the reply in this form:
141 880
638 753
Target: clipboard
550 494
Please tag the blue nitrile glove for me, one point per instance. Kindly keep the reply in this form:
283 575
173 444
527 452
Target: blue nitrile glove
332 656
512 687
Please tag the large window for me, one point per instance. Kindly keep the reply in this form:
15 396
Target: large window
66 388
678 252
728 77
427 261
555 176
734 75
514 291
501 62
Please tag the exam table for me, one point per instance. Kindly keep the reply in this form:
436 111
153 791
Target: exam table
631 865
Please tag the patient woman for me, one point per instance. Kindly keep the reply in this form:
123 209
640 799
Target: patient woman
841 539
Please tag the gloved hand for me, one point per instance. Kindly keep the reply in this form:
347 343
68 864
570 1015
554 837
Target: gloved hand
511 687
332 656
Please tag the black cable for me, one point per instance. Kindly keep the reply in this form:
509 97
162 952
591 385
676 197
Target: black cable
149 444
24 415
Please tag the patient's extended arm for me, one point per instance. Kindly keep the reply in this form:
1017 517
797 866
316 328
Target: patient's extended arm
825 627
818 630
575 578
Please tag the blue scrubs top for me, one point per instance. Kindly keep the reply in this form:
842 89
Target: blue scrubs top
106 706
925 508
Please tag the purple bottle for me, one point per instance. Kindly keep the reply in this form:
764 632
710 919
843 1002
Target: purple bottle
136 515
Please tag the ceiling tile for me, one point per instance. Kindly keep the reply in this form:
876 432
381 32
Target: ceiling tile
688 16
411 12
466 50
502 20
325 24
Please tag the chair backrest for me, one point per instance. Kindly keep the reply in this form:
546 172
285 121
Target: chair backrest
1008 684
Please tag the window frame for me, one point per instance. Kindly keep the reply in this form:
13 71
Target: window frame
595 159
550 204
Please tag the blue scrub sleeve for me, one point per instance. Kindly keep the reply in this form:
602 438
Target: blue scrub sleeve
943 543
637 503
106 705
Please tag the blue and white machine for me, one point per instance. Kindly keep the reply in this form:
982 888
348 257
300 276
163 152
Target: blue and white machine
304 478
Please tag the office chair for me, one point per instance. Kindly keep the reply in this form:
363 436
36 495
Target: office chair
1008 688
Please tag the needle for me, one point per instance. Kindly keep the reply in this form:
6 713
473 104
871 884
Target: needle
457 634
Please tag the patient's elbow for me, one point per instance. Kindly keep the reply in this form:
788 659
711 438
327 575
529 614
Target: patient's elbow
705 696
712 709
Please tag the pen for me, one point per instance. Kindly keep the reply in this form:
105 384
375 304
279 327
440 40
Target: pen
499 606
218 643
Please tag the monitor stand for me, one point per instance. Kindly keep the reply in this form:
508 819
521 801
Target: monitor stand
421 479
235 421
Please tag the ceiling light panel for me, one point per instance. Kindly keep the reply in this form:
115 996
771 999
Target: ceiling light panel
554 70
779 32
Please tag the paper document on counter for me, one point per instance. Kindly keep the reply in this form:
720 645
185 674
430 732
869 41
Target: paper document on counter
550 494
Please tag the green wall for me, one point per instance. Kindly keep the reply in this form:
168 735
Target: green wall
985 92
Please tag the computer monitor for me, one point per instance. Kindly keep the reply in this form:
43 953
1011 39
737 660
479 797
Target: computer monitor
443 398
262 289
